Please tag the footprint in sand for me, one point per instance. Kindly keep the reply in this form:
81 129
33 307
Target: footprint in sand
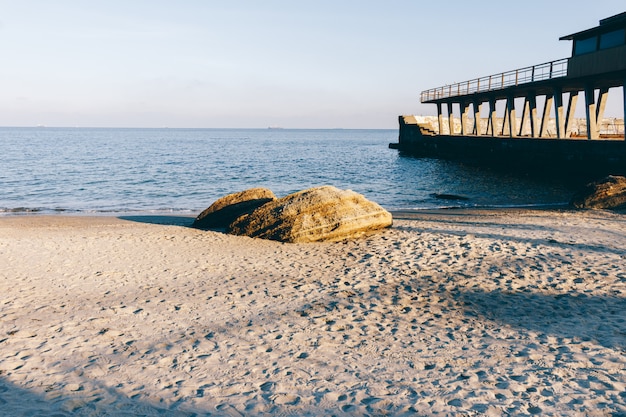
285 399
267 386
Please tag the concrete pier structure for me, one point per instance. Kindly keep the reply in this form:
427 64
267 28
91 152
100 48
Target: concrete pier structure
532 98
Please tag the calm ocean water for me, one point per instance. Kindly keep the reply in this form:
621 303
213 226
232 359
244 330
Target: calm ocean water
81 170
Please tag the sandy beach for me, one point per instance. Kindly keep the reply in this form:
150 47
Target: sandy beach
451 312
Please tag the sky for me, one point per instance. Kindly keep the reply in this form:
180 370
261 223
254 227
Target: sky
254 64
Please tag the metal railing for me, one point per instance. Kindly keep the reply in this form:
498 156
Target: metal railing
546 71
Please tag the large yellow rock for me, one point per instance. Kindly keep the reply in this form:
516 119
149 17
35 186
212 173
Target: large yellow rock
226 209
318 214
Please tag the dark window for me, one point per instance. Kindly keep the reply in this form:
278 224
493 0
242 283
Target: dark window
611 39
584 46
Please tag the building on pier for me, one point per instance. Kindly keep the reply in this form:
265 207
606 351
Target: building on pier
597 64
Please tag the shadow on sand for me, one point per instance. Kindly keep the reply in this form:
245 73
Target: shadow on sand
600 320
162 220
484 226
17 401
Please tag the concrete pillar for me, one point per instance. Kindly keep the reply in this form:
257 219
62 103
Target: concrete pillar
590 111
464 108
505 122
545 119
525 114
440 118
477 128
510 122
558 113
624 94
532 102
529 115
571 109
450 119
491 120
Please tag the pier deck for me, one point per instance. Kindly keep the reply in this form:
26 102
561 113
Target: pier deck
549 93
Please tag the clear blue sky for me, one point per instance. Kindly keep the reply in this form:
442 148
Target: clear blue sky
300 64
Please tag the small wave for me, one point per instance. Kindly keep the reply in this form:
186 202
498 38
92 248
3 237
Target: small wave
9 211
141 211
17 210
546 206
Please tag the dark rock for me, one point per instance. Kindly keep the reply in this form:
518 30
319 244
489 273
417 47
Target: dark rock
441 196
318 214
226 209
608 193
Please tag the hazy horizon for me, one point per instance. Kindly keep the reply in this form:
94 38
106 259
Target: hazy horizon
243 64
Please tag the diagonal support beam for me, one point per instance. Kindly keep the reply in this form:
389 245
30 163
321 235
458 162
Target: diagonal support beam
529 114
545 119
505 123
509 124
591 113
464 108
477 128
440 118
571 109
525 114
532 101
558 113
602 99
510 109
491 121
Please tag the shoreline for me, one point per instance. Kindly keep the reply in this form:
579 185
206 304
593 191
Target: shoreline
450 311
194 213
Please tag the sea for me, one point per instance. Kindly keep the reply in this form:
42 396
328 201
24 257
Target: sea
183 171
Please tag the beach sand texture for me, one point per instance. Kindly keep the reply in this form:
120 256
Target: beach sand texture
453 312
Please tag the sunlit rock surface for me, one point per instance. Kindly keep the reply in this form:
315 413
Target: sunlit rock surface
317 214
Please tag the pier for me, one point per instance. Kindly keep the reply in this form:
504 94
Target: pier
529 109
